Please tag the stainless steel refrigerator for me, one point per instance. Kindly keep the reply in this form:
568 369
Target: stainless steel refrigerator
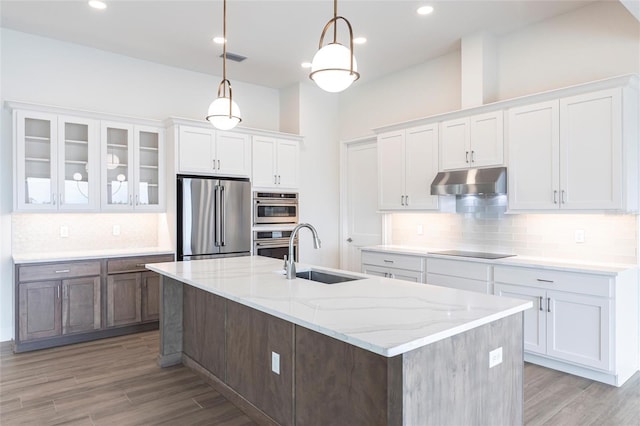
214 217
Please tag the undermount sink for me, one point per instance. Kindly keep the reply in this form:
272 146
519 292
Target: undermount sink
325 277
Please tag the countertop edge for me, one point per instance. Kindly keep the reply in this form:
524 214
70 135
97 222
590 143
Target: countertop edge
62 257
515 261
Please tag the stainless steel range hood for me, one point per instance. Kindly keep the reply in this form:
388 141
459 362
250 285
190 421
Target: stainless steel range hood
471 182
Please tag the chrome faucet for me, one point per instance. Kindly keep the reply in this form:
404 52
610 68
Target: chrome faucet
289 264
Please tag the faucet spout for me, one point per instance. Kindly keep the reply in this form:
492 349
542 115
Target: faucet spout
290 266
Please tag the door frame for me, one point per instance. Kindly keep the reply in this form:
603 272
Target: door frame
343 222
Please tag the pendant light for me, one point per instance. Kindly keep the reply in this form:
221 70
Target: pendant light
334 67
223 112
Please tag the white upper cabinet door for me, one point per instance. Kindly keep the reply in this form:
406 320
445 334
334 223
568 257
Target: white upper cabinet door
36 149
455 144
487 139
264 162
578 329
117 166
196 152
149 168
288 164
78 160
421 167
391 170
591 150
233 154
533 172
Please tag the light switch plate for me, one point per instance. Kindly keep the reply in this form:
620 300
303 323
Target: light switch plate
579 236
495 357
64 231
116 230
275 362
420 230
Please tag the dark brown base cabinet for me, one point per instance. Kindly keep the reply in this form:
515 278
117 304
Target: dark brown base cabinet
58 303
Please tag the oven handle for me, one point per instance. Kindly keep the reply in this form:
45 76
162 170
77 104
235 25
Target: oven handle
265 244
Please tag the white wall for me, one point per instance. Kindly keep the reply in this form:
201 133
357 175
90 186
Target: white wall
419 91
47 71
594 42
319 174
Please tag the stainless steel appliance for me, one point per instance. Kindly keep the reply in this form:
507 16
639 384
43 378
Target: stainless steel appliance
478 254
471 182
214 217
275 208
273 244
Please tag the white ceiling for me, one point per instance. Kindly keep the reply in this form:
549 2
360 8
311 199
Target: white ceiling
276 36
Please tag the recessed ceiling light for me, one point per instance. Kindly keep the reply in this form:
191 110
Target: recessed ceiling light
360 40
97 4
306 65
425 10
218 40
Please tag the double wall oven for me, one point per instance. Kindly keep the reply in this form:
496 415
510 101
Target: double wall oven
274 216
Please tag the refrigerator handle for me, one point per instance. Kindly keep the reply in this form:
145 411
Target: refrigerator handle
223 224
217 217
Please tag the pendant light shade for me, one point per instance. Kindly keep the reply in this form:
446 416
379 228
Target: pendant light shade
334 66
224 112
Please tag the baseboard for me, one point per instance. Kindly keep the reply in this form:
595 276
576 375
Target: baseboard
599 376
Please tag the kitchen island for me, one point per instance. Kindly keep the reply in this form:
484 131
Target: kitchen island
368 351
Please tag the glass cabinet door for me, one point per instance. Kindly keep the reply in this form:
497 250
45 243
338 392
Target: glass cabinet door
77 150
117 162
36 158
148 160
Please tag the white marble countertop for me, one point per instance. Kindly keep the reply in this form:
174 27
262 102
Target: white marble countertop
522 261
382 315
64 256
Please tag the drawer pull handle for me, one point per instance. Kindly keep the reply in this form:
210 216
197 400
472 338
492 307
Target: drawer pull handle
140 265
388 261
544 281
62 271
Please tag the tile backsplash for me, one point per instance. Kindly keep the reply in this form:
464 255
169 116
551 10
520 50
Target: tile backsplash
41 233
609 238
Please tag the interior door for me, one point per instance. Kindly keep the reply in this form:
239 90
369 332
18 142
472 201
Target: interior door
363 222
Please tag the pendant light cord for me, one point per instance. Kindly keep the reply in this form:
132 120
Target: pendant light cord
335 19
224 45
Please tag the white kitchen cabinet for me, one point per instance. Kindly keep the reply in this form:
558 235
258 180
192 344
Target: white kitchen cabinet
275 163
207 151
460 274
585 324
572 153
475 141
392 265
132 165
407 164
56 162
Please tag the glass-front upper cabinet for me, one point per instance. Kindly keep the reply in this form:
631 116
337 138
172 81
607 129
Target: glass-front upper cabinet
117 165
148 160
132 158
78 175
53 158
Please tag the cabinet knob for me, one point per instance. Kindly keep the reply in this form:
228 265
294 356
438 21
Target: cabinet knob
349 240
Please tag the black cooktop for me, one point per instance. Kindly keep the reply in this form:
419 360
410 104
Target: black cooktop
477 254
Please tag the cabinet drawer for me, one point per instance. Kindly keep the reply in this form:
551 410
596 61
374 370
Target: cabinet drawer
574 282
58 271
134 264
457 268
479 286
389 260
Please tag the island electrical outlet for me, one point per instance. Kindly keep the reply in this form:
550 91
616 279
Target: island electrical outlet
275 362
495 357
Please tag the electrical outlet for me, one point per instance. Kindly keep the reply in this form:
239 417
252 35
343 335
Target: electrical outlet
495 357
116 230
579 236
275 362
420 230
64 231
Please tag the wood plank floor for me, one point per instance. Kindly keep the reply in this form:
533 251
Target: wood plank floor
117 382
